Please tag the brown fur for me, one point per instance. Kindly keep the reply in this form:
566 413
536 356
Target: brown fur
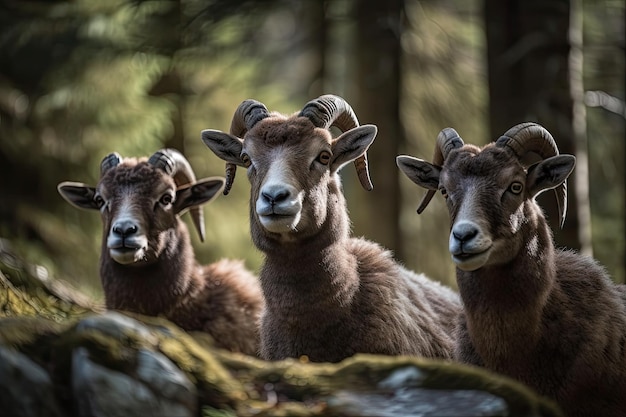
223 299
550 318
329 296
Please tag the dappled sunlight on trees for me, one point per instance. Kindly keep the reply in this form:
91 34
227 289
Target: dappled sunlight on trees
81 79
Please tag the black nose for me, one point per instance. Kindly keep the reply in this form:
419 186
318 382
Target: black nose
124 228
464 232
275 195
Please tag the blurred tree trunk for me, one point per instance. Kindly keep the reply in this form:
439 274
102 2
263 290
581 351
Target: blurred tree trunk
316 26
171 84
376 101
533 76
580 198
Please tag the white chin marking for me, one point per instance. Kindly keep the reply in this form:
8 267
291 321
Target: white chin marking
279 224
472 263
127 257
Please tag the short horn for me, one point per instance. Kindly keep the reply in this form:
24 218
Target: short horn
447 140
109 161
231 170
175 164
249 113
330 110
530 137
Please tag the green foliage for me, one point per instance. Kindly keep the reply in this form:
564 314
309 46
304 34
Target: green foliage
213 412
80 79
445 86
606 128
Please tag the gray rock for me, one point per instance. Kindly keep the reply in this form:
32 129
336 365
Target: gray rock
146 382
25 387
115 365
418 402
118 326
164 378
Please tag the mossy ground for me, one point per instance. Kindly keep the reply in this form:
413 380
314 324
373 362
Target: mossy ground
42 324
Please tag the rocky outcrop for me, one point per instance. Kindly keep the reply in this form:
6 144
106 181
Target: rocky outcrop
60 355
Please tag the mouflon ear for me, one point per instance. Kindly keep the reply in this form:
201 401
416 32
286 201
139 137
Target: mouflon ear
551 173
351 145
421 172
226 146
79 195
192 196
198 193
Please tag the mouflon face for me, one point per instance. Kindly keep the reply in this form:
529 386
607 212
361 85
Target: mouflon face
139 206
490 197
292 167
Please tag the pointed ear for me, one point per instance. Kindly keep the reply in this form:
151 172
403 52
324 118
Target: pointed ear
549 173
78 194
419 171
198 193
351 144
225 146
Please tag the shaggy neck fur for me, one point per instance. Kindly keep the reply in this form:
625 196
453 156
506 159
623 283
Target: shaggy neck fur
330 269
552 319
504 303
308 286
150 289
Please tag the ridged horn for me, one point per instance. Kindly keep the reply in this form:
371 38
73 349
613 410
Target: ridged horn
330 110
109 161
173 163
249 113
447 140
532 137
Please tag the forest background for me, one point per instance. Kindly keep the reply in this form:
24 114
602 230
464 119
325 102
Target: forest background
80 79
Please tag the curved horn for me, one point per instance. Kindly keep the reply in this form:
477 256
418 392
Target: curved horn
447 140
532 137
330 110
249 113
529 137
173 163
109 161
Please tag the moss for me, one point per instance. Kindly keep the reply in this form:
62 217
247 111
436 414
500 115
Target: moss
31 301
45 328
301 387
216 384
520 399
31 336
213 412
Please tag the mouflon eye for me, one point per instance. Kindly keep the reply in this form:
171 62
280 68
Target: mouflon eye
324 158
166 199
98 200
516 187
245 159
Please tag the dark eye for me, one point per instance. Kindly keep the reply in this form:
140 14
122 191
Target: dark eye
245 159
444 193
324 158
166 199
516 187
98 200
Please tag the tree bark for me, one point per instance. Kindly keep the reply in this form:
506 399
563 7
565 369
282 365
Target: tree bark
316 24
376 101
530 79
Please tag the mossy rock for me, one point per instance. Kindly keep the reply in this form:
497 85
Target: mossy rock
62 356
